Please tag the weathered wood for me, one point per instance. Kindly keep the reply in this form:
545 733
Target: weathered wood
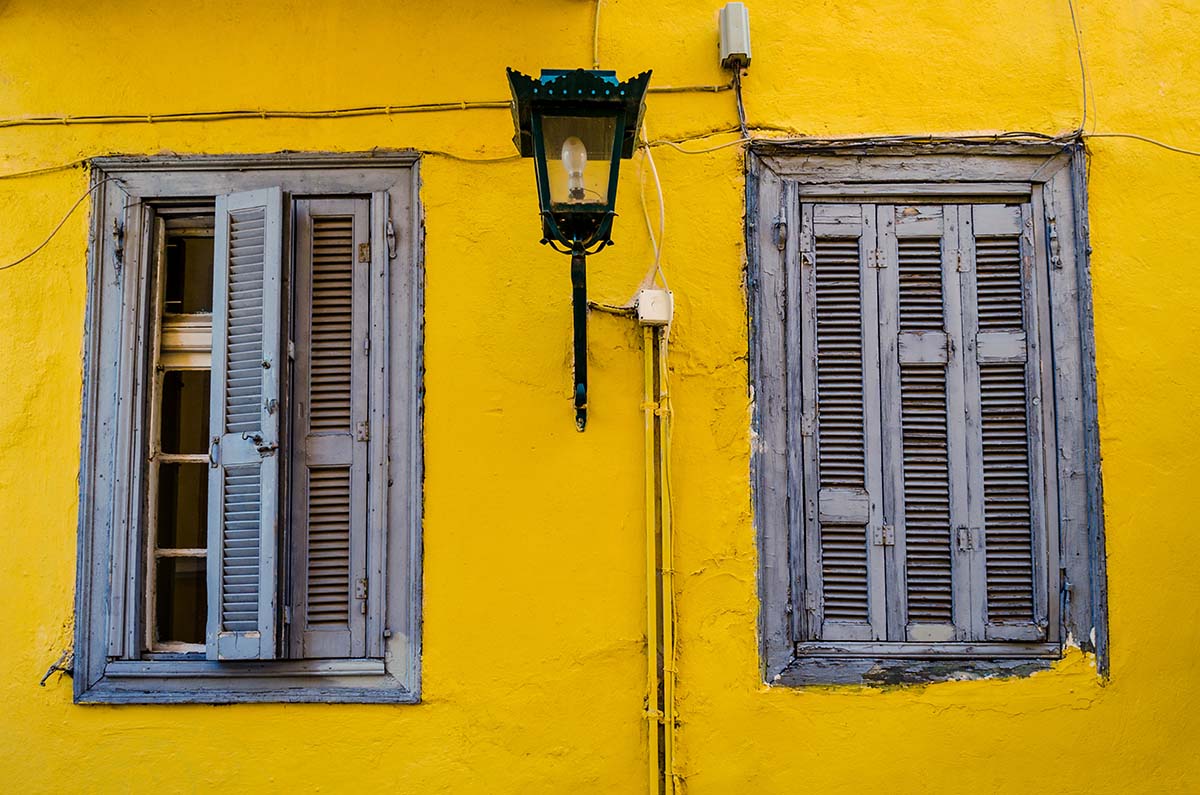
143 190
243 491
330 430
975 555
766 276
406 477
890 672
922 347
998 347
377 402
891 439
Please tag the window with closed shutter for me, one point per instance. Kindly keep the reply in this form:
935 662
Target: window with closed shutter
932 446
924 455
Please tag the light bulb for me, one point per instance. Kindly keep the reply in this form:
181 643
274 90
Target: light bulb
574 160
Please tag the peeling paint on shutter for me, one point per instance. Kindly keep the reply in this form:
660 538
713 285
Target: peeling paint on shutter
924 498
329 483
243 482
1004 385
840 301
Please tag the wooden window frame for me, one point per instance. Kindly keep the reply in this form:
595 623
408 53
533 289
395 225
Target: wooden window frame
1052 176
117 376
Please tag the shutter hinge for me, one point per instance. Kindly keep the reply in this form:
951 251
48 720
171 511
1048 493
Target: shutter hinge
1055 252
968 538
291 351
885 536
811 601
118 237
366 346
875 259
960 262
287 614
781 234
360 593
808 424
390 234
364 252
362 431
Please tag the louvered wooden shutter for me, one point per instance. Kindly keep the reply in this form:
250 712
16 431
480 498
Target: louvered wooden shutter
839 361
924 448
243 481
1005 436
331 431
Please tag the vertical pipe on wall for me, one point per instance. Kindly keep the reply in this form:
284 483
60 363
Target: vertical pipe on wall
667 558
660 571
654 725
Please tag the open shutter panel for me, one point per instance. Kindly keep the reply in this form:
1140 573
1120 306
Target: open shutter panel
331 433
1003 392
844 584
243 480
923 435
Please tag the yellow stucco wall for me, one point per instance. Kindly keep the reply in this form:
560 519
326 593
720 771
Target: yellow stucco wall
534 587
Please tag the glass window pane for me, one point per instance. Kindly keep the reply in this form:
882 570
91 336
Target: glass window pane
181 606
182 506
578 155
189 279
184 425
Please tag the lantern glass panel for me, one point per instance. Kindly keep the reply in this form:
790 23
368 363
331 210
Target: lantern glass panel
579 151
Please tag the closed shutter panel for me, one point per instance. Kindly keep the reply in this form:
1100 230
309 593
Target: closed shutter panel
923 434
243 480
330 432
1003 393
840 426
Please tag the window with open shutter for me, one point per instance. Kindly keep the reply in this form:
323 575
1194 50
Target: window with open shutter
272 550
925 463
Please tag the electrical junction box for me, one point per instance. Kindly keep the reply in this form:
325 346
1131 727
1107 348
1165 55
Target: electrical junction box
735 36
655 307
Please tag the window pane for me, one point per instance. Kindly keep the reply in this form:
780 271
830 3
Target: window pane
184 411
189 285
182 506
181 608
579 157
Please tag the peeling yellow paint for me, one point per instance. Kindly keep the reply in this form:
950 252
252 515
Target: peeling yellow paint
534 588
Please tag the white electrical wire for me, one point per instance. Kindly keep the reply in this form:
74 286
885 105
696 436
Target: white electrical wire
657 242
596 38
54 231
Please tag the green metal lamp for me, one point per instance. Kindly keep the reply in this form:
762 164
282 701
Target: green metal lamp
577 126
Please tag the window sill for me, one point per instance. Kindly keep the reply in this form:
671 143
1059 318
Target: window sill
912 664
209 682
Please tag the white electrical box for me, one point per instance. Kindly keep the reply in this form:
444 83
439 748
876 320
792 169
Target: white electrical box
735 36
655 307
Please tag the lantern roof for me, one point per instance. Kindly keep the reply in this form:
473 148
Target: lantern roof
584 91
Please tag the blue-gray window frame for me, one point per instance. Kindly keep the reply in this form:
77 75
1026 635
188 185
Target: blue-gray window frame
114 395
778 175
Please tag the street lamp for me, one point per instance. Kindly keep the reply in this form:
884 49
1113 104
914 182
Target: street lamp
577 126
